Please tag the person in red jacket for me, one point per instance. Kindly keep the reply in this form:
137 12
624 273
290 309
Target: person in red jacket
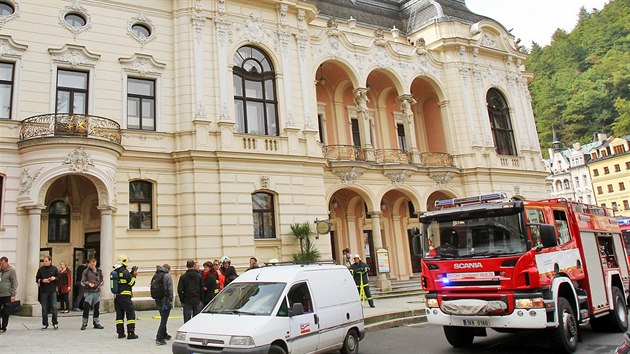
64 286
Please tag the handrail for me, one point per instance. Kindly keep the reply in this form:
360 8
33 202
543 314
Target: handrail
65 124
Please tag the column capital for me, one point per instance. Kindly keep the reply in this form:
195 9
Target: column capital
407 97
375 214
106 209
34 209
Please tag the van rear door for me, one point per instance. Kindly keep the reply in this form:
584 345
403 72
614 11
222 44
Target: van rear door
304 327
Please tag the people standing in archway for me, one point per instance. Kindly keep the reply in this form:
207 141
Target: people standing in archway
47 278
64 286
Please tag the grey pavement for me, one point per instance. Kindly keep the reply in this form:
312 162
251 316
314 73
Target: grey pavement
24 334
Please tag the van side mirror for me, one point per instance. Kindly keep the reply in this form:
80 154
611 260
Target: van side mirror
296 310
548 235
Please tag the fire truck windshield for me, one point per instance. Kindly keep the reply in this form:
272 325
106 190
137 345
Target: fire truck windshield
472 235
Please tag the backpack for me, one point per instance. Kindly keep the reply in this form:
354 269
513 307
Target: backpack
157 286
114 282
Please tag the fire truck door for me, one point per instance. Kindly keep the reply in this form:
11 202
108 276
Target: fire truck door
594 269
621 257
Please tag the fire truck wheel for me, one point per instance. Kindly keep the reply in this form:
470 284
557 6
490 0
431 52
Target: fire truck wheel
616 320
564 338
459 337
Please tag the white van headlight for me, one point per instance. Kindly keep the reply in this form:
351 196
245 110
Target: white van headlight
180 336
241 340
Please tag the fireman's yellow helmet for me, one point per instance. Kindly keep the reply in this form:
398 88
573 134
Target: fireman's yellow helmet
122 259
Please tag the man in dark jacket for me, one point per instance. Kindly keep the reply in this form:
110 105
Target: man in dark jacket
78 287
189 289
359 270
164 304
46 277
122 302
8 290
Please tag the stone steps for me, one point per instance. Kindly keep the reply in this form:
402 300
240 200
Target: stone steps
395 319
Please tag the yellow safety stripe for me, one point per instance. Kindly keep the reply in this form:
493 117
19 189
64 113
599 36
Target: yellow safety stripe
133 281
131 321
125 292
120 321
122 281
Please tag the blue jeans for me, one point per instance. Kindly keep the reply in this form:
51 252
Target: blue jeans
164 307
191 311
49 304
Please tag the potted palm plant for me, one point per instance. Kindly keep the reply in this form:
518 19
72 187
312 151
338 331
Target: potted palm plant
308 252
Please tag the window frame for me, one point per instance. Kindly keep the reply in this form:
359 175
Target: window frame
141 98
261 214
55 219
239 73
134 199
12 85
499 112
72 92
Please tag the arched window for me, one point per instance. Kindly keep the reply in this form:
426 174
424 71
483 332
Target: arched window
500 123
566 184
140 205
255 103
263 212
58 222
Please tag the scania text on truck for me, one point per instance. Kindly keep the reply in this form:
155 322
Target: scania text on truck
514 265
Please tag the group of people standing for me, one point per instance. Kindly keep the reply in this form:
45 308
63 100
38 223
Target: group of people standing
196 288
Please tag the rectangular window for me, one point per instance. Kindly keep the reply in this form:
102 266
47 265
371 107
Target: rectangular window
140 104
140 205
622 186
562 225
614 207
628 165
606 170
400 131
600 190
263 213
626 205
617 168
619 149
321 125
595 172
356 134
610 188
6 89
72 92
577 181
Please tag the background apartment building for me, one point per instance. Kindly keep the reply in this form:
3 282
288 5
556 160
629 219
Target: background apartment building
610 172
168 130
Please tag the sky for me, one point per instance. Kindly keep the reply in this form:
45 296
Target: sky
534 20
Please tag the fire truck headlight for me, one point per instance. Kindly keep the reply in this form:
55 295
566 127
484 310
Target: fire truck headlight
536 302
432 303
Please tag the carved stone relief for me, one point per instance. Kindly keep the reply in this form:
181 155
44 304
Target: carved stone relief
348 176
198 23
9 48
253 29
74 55
142 64
27 178
442 179
79 160
264 182
488 40
398 177
143 20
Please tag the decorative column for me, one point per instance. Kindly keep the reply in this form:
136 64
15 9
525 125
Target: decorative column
363 115
32 256
381 281
354 246
406 101
107 246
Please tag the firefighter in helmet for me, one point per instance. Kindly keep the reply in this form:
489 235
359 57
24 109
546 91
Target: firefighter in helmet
359 270
122 301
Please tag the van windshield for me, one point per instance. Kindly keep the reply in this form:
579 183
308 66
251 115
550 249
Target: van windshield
247 299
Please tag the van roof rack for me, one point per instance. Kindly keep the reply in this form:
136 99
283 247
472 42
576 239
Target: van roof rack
286 263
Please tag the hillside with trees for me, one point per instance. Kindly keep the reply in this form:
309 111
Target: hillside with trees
581 80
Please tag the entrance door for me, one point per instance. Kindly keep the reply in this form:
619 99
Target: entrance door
333 246
415 258
368 245
304 328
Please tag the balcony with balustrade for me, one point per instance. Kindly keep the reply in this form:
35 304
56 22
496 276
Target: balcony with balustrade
66 125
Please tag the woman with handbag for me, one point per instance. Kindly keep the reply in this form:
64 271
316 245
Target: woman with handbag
8 291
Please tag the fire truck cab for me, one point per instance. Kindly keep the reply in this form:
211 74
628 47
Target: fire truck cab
512 265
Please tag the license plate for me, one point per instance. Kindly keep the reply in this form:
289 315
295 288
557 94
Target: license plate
477 323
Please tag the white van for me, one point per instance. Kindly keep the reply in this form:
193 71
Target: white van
279 309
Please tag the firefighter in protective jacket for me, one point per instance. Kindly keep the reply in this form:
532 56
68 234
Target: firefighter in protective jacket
122 301
359 270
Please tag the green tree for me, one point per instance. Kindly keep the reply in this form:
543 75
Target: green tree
308 251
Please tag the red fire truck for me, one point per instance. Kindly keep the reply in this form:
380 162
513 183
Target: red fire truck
512 265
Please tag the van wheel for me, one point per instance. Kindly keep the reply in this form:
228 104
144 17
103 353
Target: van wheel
351 343
617 319
276 349
564 338
459 337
